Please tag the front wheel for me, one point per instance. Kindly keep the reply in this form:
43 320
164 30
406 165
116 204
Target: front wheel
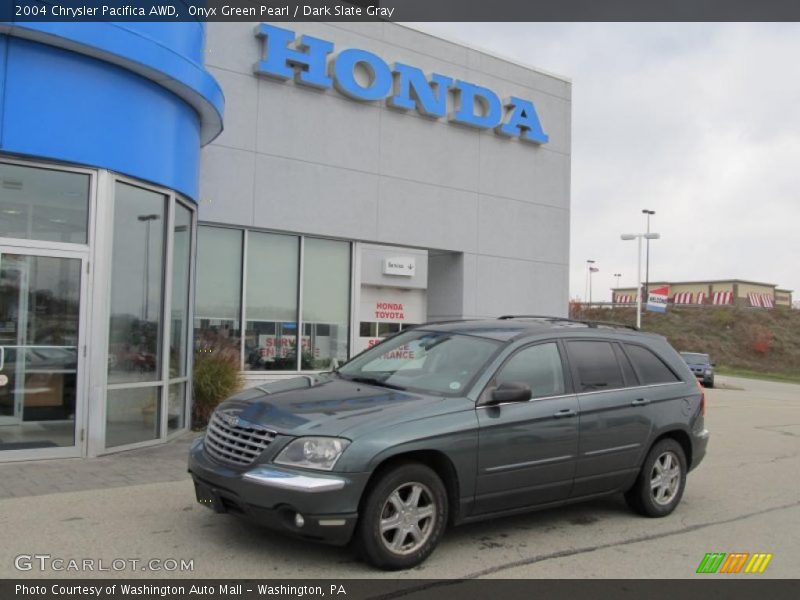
659 487
403 517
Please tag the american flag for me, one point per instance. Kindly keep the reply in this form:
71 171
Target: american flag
594 269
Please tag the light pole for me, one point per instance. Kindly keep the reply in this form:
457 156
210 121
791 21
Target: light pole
589 264
638 236
647 253
616 286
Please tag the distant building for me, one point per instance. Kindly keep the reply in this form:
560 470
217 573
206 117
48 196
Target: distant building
736 292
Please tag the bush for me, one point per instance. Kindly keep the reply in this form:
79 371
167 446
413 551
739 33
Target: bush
216 376
760 339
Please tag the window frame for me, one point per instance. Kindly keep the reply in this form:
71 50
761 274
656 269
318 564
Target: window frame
642 382
566 373
245 231
574 366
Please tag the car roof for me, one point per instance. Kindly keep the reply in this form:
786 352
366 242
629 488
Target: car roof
511 327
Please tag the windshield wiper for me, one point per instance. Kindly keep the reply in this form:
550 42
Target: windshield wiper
373 381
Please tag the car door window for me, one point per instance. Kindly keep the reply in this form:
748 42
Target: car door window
595 365
628 374
538 366
650 367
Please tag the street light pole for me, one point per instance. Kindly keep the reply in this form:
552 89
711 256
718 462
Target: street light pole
617 275
638 237
647 260
589 264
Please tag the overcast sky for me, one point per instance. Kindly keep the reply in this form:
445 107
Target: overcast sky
699 122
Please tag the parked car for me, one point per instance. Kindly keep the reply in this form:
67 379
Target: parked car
701 366
451 423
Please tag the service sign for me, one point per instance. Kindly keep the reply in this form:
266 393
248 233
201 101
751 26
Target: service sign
657 299
404 266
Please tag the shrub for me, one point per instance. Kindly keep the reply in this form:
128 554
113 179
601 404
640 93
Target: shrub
760 339
216 376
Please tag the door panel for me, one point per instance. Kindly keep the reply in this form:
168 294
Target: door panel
614 423
526 453
39 340
527 450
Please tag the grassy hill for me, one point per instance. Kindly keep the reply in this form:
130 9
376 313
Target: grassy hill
740 340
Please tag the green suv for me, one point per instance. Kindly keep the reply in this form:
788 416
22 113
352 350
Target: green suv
455 422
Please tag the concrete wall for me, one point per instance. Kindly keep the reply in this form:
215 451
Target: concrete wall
494 211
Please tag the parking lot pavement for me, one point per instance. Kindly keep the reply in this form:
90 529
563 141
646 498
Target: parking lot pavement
743 498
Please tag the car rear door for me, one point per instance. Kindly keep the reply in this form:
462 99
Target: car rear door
614 422
527 450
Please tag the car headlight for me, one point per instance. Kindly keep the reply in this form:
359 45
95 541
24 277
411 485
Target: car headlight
312 452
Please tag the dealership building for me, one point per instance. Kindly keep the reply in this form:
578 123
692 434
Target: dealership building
285 194
714 292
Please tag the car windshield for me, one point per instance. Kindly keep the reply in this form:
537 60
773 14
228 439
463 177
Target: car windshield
695 359
428 361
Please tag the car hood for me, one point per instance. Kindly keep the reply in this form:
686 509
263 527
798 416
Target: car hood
324 405
699 365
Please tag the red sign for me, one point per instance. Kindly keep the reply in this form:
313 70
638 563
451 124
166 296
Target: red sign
390 310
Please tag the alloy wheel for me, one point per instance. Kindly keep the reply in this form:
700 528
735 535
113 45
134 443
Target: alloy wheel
665 478
407 518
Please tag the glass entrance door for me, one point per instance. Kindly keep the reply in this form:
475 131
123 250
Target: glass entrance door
41 396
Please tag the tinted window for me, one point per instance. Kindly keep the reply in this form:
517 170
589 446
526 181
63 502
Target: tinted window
596 366
651 369
627 370
539 367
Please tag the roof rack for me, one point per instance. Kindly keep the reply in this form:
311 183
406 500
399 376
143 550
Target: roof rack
592 324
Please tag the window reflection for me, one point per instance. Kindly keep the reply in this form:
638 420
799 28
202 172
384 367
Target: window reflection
181 257
219 290
136 285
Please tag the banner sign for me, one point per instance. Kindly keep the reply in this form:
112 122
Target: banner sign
657 299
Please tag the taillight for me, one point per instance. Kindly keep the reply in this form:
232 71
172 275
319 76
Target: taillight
702 398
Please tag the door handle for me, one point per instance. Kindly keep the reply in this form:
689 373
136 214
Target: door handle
640 402
567 412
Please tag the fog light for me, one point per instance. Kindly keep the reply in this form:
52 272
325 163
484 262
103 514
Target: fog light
299 521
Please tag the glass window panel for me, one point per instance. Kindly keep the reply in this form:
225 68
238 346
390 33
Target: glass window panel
650 367
137 275
179 314
132 416
39 321
596 366
43 204
326 303
539 367
271 306
219 289
176 407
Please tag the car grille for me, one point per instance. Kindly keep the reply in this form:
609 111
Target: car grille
236 443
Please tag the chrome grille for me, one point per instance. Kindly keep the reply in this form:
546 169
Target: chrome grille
235 442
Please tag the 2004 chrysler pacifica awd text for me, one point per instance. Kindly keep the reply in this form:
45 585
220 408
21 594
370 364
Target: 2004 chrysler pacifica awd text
454 422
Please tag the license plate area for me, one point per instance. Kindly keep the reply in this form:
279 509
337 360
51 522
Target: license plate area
206 497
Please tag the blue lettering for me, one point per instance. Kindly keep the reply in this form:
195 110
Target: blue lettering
523 122
470 97
307 64
412 90
380 78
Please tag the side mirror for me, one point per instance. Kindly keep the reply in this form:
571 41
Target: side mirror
713 364
512 391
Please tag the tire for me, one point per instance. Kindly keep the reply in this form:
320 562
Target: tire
409 487
659 501
710 383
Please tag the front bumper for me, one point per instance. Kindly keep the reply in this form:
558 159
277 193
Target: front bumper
273 496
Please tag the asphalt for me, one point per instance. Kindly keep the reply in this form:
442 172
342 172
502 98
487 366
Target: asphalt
745 497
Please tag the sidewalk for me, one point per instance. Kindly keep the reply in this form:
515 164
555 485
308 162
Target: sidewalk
158 464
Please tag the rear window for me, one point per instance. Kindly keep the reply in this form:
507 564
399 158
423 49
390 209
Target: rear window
595 365
650 367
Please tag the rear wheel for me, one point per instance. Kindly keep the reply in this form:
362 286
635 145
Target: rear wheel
659 487
403 518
